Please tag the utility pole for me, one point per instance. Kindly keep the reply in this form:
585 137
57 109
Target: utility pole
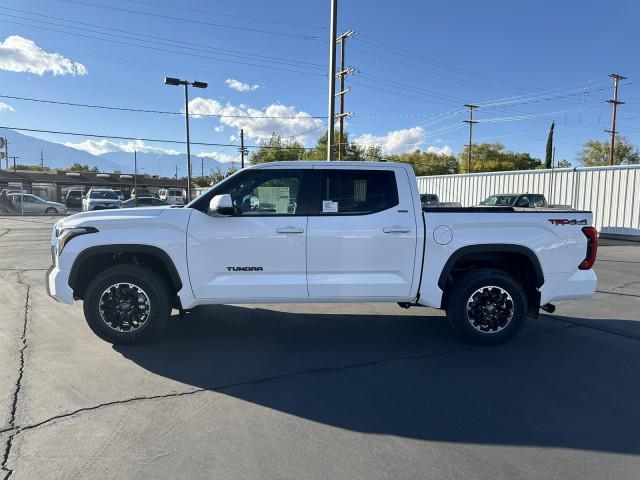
201 167
14 163
41 161
176 172
342 74
615 102
470 122
135 174
243 151
332 79
4 155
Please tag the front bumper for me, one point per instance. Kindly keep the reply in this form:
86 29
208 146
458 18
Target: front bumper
57 282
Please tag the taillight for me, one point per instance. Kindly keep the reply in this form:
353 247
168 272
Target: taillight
592 248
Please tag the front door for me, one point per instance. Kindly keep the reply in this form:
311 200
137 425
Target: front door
362 236
259 253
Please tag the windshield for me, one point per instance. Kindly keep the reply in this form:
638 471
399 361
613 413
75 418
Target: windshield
104 194
499 200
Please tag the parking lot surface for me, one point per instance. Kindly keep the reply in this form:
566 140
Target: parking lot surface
316 391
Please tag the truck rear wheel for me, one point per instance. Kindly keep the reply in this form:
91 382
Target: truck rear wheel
127 304
487 307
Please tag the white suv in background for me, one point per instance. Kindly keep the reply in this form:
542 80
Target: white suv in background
100 199
172 196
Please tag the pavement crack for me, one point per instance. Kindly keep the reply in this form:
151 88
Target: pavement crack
618 293
594 327
16 393
5 232
267 379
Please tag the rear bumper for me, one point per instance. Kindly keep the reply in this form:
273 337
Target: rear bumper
568 286
57 282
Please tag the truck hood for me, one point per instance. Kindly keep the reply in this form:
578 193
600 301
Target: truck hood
111 217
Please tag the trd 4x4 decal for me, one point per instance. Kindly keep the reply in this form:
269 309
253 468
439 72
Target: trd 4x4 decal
566 221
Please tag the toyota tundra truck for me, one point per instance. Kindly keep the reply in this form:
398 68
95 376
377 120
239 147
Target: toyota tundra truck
321 232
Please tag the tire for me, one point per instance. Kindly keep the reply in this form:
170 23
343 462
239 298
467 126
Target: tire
51 211
487 307
110 299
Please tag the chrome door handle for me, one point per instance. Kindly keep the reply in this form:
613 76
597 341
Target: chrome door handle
396 229
289 230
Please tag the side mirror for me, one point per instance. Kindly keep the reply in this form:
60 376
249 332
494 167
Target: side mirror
221 205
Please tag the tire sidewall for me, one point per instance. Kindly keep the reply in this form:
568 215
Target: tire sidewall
143 278
465 286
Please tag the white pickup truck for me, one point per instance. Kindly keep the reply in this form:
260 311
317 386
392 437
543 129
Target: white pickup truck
317 232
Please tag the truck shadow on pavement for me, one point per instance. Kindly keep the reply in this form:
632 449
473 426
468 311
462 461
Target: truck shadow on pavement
556 385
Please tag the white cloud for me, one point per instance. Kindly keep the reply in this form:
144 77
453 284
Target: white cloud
5 107
221 157
397 141
19 54
99 147
260 124
444 150
219 128
239 86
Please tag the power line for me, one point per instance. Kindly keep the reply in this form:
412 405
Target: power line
190 20
240 17
142 139
178 43
161 112
158 49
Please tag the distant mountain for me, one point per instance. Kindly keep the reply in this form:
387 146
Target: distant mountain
55 155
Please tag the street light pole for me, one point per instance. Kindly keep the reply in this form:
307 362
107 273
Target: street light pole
186 119
186 83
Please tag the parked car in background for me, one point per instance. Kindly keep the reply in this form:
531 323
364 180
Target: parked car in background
73 199
144 202
520 200
141 192
172 196
119 194
431 200
28 203
101 199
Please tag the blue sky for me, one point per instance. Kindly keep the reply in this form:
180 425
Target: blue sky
418 62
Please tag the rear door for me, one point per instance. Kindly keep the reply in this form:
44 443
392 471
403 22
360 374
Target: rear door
362 235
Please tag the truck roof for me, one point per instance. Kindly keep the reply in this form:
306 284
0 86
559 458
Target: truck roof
325 164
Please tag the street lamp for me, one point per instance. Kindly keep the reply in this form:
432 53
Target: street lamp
186 83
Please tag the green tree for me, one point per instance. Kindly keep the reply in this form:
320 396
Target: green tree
564 163
427 163
353 151
31 168
492 157
548 158
77 167
596 153
277 149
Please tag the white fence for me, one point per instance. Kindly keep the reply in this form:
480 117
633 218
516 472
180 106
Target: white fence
611 193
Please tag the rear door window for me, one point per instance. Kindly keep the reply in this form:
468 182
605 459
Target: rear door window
355 192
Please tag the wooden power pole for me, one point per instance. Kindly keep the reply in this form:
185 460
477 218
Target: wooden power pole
615 102
470 122
341 75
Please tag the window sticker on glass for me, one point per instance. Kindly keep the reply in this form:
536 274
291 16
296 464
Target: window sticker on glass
329 206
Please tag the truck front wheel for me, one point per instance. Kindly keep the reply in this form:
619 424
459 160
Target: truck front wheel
127 304
486 306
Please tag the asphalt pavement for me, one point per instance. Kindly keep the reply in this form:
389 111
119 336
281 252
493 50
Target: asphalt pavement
365 391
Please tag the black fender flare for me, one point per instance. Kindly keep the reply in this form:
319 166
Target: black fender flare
157 252
491 248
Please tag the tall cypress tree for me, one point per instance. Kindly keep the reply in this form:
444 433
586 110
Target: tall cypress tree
549 156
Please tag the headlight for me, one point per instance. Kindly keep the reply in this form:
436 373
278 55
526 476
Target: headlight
65 235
